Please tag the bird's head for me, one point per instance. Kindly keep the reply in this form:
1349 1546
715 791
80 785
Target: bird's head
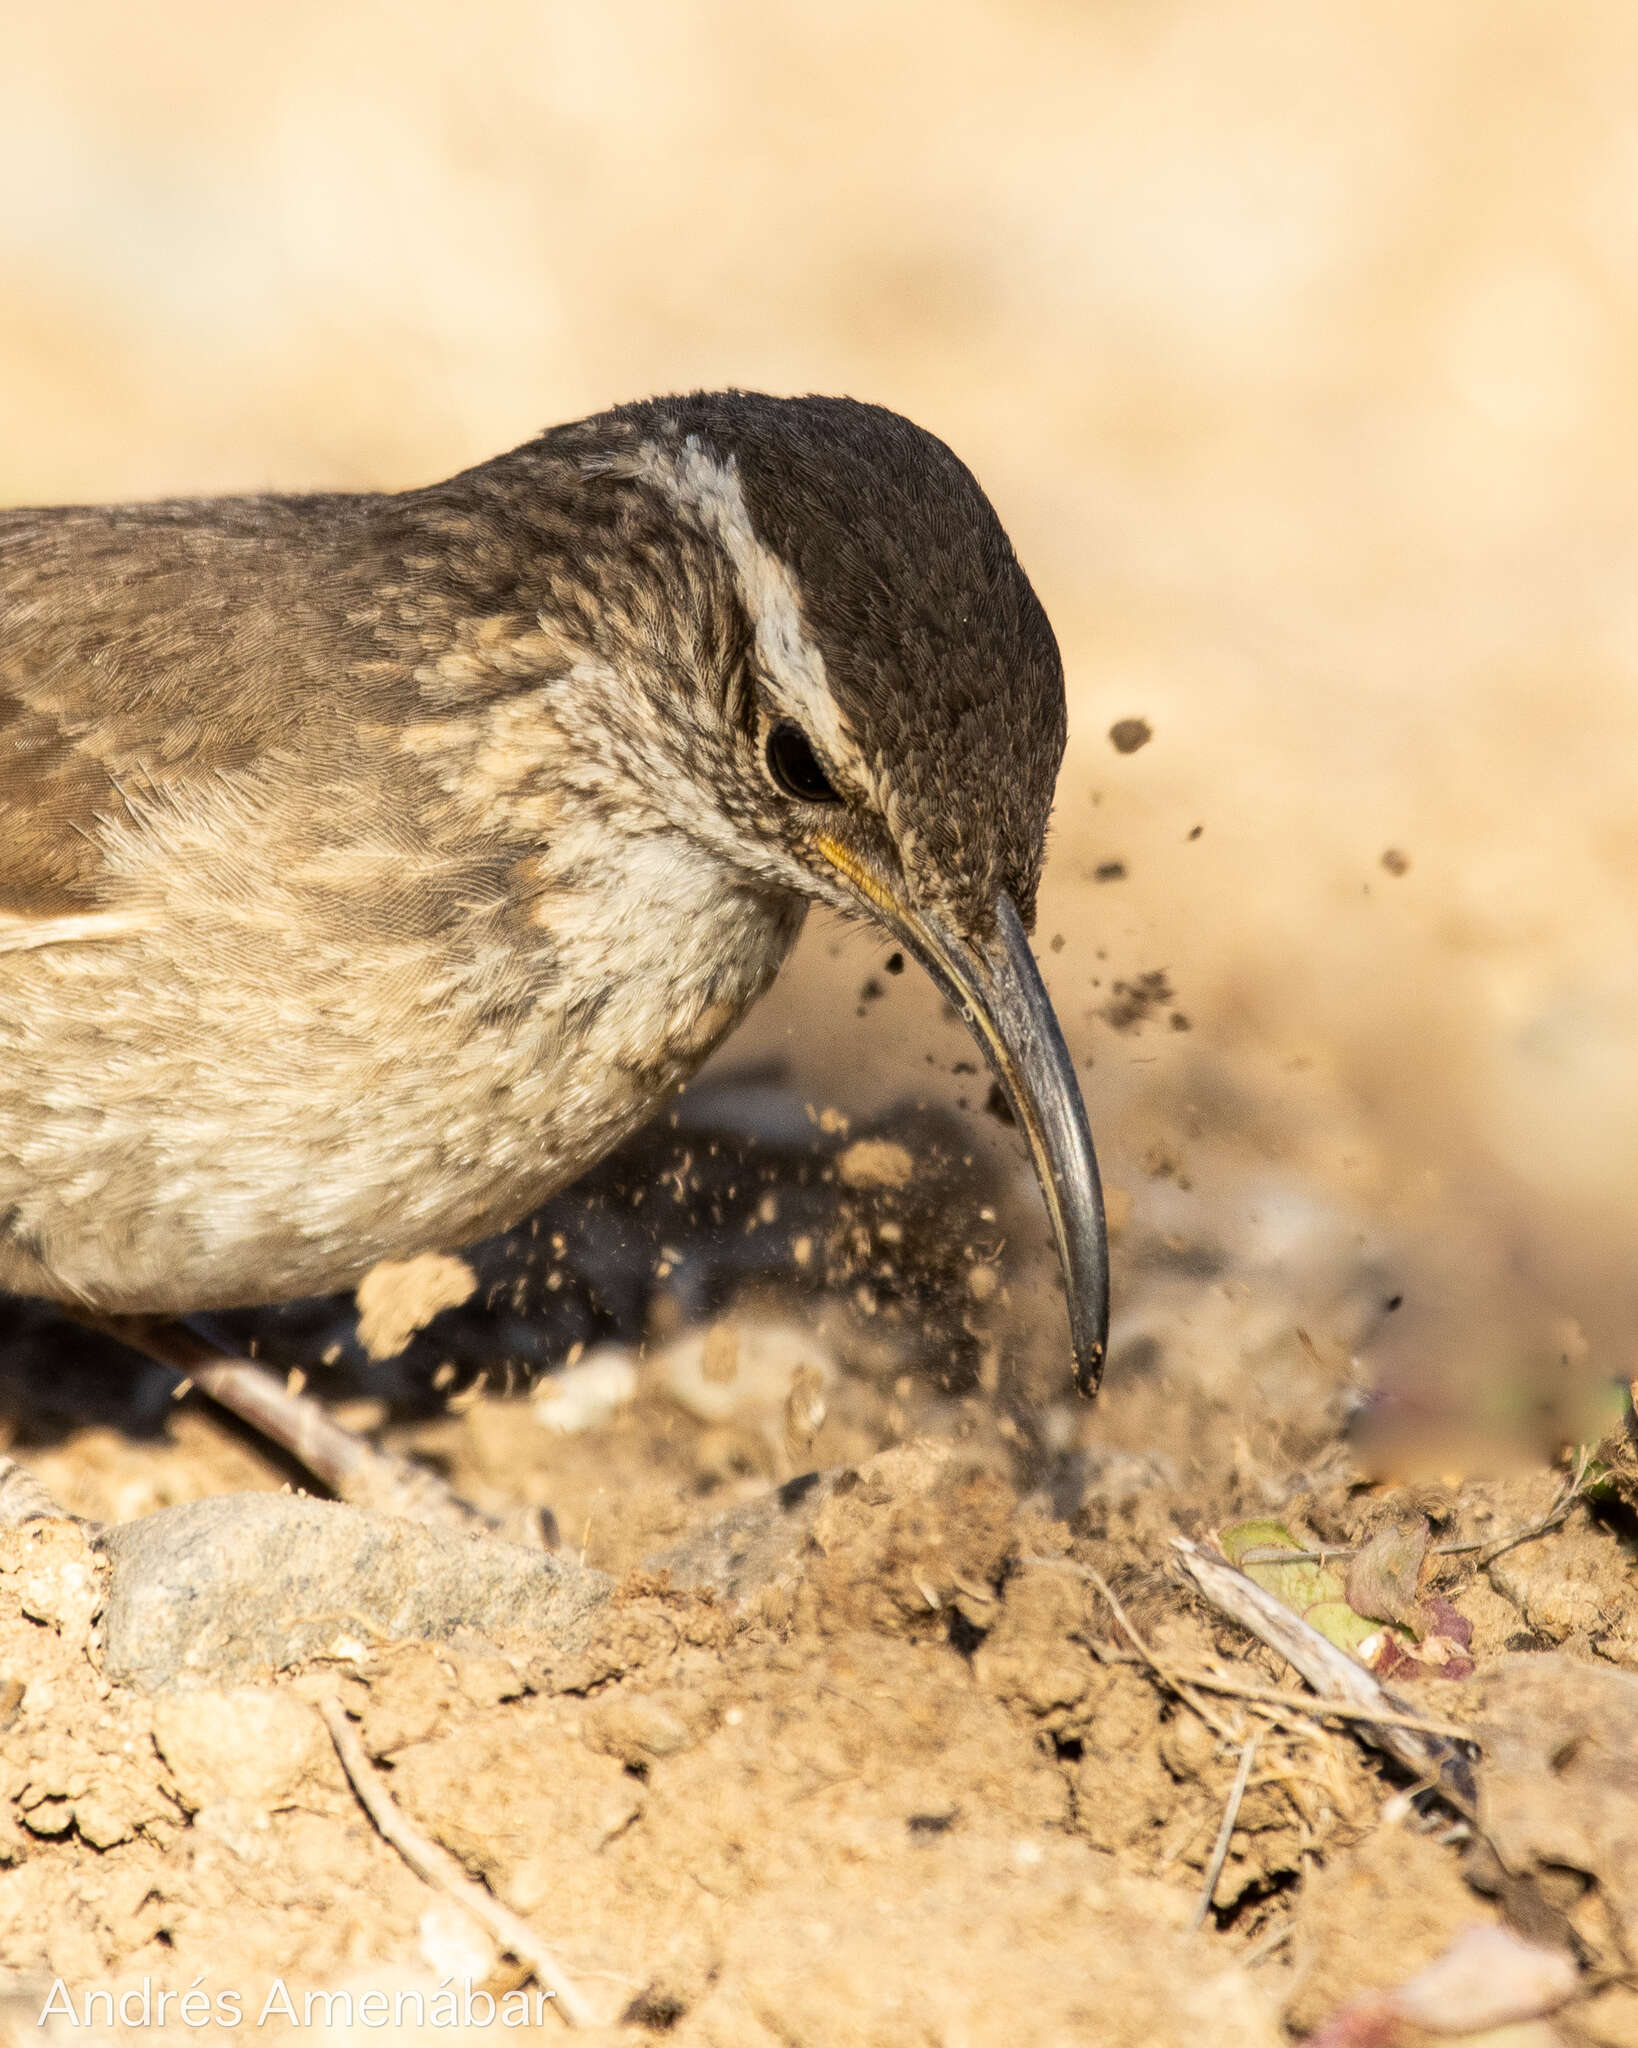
887 734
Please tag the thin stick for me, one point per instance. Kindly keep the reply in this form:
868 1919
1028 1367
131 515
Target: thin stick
1492 1546
1225 1834
1318 1706
1333 1672
1251 1957
437 1867
1324 1707
1161 1671
1554 1515
352 1469
1307 1704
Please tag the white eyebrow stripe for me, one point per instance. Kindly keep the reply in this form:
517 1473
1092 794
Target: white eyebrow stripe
795 668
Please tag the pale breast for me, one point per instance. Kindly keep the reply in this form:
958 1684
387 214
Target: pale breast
258 1106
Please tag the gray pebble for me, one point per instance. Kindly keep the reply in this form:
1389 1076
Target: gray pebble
223 1590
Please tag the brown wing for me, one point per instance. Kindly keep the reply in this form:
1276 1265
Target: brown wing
143 649
266 659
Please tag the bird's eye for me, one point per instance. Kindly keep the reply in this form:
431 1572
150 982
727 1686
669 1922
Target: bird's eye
795 766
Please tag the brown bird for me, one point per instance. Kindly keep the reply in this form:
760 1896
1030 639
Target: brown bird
371 865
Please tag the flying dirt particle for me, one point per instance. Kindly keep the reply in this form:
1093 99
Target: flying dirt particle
872 991
1178 1021
982 1282
805 1412
1396 862
997 1105
1109 871
1195 831
587 1393
1057 942
1126 735
894 963
397 1297
875 1163
1133 1003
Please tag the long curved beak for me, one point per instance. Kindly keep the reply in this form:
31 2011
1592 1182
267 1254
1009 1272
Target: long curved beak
998 992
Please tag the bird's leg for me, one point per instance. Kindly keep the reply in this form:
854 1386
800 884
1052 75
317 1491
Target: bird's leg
350 1468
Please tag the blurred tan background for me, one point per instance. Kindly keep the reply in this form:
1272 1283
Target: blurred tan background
1294 344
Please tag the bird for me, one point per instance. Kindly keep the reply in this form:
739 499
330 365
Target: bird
371 864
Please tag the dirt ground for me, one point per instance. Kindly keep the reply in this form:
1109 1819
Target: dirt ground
1294 347
863 1760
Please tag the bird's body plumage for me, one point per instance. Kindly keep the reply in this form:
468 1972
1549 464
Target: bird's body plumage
370 865
314 942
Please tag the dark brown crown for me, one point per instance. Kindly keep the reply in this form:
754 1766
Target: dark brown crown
936 648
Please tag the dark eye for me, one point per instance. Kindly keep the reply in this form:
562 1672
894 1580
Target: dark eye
795 766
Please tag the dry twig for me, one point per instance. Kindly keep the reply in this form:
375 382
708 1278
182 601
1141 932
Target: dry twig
1225 1834
1181 1681
1161 1670
1492 1547
1567 1499
438 1868
1259 1951
352 1469
1381 1719
1313 1707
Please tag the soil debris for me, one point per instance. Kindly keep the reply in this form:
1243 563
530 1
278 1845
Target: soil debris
1132 1003
397 1297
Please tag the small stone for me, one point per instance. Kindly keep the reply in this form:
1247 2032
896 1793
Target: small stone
589 1394
805 1411
486 1681
452 1944
235 1587
55 1570
720 1362
251 1745
50 1817
635 1726
755 1547
100 1822
743 1371
411 1693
